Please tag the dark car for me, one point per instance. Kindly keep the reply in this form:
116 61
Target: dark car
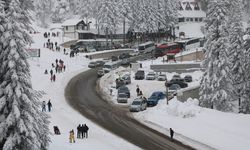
154 98
180 82
140 75
188 78
124 89
125 62
119 83
124 55
114 58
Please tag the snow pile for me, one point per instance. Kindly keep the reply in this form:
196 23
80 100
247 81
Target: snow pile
185 110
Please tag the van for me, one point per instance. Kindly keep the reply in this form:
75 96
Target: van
138 104
109 66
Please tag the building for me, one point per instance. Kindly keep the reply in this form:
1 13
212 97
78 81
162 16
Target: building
77 28
191 19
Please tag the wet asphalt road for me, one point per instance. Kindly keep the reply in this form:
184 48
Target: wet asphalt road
82 95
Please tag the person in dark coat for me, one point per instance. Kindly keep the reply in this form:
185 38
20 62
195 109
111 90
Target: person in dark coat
171 133
56 130
64 51
86 128
137 91
82 130
46 71
51 72
79 131
54 78
49 105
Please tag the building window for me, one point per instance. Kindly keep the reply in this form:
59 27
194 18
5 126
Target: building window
187 19
181 19
196 19
196 6
188 7
180 6
191 19
66 27
200 19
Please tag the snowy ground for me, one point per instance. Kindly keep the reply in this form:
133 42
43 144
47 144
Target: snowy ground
193 125
62 114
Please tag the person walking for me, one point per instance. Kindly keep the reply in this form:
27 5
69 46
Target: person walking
79 131
49 105
86 128
51 72
138 90
82 131
171 133
71 136
44 106
54 78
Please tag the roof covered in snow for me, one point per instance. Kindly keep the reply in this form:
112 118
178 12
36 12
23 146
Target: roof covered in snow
71 22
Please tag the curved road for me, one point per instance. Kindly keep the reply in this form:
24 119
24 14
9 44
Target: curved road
81 93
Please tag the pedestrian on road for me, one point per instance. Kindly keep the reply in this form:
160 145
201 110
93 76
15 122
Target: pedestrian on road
49 105
51 72
44 106
79 131
54 78
86 128
171 133
71 136
137 90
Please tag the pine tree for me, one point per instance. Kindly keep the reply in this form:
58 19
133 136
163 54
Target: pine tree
235 51
43 9
22 124
245 104
215 91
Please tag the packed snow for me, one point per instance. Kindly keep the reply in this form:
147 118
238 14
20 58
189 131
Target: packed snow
62 115
199 127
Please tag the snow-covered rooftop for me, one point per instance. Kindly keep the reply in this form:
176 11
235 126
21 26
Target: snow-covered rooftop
71 22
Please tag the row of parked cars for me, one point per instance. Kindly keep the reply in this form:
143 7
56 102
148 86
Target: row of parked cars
140 104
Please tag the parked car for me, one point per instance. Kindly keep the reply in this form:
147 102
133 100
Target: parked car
100 63
180 81
173 89
125 62
126 78
176 76
162 77
100 73
151 76
188 78
124 55
92 65
154 98
138 104
119 83
124 89
140 75
122 98
114 58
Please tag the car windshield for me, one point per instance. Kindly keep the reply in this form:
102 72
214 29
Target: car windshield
123 88
176 76
162 75
151 73
93 63
174 87
122 95
107 66
136 103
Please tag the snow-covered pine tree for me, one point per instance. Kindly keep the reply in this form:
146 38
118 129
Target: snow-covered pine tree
235 51
84 9
245 97
22 124
43 9
215 91
107 17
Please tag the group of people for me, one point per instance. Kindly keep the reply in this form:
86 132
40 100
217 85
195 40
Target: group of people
82 132
49 104
53 34
59 67
50 45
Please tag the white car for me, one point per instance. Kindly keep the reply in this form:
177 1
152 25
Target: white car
151 76
162 77
138 104
122 98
